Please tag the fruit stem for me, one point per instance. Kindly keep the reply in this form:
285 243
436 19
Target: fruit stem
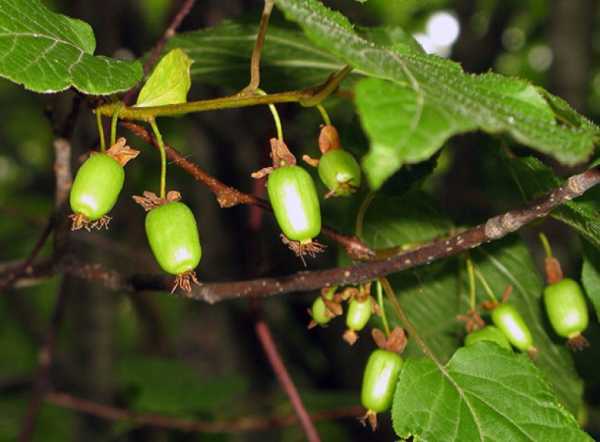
275 114
101 132
324 114
471 275
113 126
546 245
486 286
163 158
386 327
360 216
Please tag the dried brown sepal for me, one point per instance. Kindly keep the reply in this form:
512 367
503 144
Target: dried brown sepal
312 324
348 293
342 188
364 292
314 162
150 200
184 281
333 308
350 336
577 342
489 305
370 417
312 248
375 306
280 156
80 221
121 152
395 342
553 269
329 139
261 173
472 320
506 293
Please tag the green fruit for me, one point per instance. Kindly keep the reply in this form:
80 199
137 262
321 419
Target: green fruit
319 312
97 185
512 324
340 172
379 380
173 236
488 333
295 203
359 313
566 308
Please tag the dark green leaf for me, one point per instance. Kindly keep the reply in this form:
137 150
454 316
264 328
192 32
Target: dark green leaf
484 393
534 179
590 275
48 52
434 85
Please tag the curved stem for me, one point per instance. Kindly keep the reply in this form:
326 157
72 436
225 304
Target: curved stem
324 114
486 286
471 275
360 216
163 158
386 327
101 132
113 127
546 245
275 114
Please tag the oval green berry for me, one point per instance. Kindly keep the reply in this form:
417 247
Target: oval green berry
359 313
379 380
173 236
488 333
513 326
96 187
340 172
566 308
295 203
319 311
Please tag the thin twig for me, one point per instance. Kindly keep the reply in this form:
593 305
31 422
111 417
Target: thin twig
245 424
183 11
285 380
258 45
228 196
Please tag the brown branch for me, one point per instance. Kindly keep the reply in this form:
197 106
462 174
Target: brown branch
160 421
493 229
258 45
228 196
183 11
270 348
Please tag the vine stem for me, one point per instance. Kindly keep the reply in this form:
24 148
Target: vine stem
324 114
258 45
306 97
163 158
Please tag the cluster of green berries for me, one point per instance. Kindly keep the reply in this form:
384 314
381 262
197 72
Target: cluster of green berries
170 225
565 307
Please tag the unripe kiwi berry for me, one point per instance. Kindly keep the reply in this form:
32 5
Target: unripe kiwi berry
507 318
340 172
488 333
294 199
566 308
173 236
319 312
380 379
96 187
359 313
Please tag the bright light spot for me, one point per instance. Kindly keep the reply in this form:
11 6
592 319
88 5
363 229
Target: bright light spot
295 208
515 330
182 254
443 28
89 201
513 39
430 47
540 57
383 380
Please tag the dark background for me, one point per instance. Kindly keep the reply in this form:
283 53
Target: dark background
129 349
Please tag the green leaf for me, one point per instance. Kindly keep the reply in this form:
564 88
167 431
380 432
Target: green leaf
169 83
590 275
535 179
484 393
436 86
48 52
169 386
